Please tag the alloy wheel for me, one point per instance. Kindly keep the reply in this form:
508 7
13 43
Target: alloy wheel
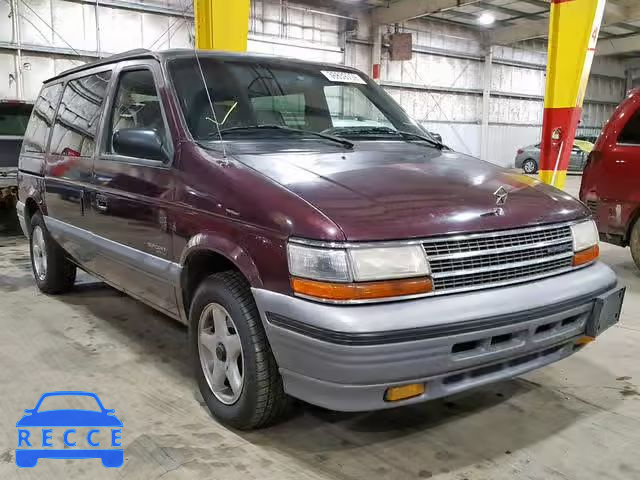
39 252
529 166
220 353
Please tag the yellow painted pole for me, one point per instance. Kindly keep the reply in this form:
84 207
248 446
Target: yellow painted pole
222 24
573 34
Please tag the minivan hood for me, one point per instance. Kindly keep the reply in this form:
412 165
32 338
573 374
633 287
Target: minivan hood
395 190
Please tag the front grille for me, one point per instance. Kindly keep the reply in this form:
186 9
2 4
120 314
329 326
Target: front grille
483 260
491 259
489 242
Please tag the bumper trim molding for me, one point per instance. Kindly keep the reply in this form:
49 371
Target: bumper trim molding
422 333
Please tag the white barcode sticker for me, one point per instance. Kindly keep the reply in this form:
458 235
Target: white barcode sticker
343 77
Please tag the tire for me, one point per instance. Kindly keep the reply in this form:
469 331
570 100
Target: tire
530 166
260 400
634 243
52 270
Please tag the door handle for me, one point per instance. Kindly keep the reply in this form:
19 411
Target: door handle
101 203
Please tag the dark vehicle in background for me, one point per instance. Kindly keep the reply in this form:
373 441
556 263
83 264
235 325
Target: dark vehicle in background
610 183
317 242
528 158
14 117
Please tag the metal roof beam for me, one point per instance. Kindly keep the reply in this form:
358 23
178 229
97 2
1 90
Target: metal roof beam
408 9
540 28
618 45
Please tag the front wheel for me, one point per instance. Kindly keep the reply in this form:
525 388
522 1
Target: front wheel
530 166
232 360
53 271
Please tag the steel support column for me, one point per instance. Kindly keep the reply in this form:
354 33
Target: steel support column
573 34
486 105
222 24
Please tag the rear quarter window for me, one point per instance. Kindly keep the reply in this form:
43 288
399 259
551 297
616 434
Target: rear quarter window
14 118
76 125
41 120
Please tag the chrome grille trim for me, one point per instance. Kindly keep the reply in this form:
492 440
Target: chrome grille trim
482 245
518 248
488 260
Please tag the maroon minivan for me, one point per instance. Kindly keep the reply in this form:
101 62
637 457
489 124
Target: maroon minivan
610 179
317 241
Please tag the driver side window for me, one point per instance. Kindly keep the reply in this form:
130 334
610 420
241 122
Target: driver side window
136 105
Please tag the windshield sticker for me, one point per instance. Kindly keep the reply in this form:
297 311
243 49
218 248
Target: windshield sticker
343 77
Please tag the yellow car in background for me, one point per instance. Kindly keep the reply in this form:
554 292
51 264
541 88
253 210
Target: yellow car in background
583 145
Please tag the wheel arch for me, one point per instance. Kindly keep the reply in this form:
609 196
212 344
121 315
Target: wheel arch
205 255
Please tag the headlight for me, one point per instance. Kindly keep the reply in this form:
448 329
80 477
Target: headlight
358 274
585 235
392 262
585 242
318 263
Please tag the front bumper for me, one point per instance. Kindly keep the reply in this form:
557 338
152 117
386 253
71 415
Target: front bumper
345 357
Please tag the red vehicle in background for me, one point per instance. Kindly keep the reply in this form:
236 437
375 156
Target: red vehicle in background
610 183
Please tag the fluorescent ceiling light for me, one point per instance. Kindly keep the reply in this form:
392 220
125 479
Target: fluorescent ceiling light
486 19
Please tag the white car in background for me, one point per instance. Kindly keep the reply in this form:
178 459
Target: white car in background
528 158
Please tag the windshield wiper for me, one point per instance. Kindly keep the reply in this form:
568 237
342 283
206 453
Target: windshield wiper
341 141
417 136
390 131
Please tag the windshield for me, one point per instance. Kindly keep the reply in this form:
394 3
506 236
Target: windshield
65 402
307 97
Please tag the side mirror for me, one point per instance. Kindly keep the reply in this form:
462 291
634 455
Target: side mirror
139 143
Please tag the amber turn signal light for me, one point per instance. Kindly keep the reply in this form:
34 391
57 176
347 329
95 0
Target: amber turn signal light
586 256
361 291
394 394
585 340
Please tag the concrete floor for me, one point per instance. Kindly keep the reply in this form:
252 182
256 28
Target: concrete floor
578 419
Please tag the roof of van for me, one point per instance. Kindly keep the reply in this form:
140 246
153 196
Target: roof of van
160 55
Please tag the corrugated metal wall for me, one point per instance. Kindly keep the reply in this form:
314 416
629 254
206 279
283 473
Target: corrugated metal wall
58 34
441 86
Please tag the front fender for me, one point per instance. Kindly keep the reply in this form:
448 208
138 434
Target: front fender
226 247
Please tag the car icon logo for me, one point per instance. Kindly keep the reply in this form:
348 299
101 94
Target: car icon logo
66 433
501 195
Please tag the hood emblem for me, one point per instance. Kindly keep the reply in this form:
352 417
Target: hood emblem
501 195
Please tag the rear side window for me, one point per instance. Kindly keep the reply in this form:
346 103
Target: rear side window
37 133
76 126
14 117
631 132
